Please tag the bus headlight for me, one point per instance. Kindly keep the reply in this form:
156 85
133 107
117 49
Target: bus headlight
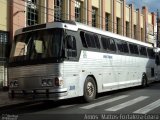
47 82
14 83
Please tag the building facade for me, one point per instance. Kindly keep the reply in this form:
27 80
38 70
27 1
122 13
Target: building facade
4 40
158 32
109 15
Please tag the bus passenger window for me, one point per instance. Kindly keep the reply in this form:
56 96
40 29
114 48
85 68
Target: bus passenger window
108 43
89 40
83 39
103 40
112 45
133 49
122 46
92 40
142 51
97 41
151 53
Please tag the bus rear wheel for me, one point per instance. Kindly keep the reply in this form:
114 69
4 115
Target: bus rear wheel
90 89
144 81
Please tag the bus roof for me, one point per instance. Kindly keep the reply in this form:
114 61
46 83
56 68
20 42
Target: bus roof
110 34
74 26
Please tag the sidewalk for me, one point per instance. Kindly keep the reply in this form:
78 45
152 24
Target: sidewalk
5 101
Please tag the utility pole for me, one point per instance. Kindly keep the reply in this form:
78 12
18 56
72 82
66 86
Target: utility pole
157 41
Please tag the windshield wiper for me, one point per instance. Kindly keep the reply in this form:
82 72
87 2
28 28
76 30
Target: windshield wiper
22 50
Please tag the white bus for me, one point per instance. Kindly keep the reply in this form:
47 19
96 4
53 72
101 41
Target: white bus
61 60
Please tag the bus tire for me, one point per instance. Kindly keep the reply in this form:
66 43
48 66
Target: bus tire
144 81
90 89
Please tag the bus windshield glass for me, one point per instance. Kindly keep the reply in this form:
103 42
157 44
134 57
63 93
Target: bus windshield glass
36 45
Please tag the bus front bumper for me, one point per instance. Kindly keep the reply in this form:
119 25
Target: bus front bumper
41 94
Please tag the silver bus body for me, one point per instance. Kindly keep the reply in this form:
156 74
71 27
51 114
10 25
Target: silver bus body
111 71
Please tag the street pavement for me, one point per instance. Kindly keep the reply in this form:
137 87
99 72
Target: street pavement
5 101
130 101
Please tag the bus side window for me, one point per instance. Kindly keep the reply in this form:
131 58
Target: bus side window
71 46
89 40
83 39
151 53
112 45
104 43
122 46
142 51
97 41
92 40
108 43
133 49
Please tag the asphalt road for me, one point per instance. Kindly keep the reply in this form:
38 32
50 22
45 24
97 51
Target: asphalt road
143 102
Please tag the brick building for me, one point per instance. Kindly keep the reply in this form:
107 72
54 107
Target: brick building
110 15
4 38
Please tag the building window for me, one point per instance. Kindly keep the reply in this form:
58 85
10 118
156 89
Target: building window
32 12
135 32
118 25
127 29
78 11
94 14
3 45
107 22
3 37
57 10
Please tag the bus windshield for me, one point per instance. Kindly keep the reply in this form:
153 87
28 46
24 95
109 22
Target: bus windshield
37 45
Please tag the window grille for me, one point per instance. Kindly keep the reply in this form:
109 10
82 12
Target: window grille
3 45
57 10
77 11
94 14
32 12
107 22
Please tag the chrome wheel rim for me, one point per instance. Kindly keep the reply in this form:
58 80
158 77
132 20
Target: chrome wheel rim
90 89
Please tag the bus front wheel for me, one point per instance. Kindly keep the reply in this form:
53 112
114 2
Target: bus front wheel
90 89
